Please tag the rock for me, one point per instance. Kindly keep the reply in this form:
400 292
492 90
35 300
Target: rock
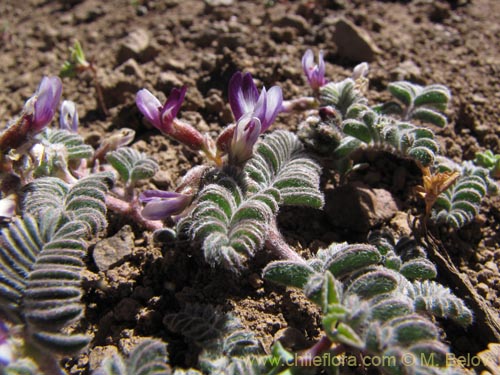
214 102
359 208
112 250
399 224
167 81
116 86
491 266
353 43
406 71
482 289
131 68
137 45
126 310
294 21
99 353
162 179
291 338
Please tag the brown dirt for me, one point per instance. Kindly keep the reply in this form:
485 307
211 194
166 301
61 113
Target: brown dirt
455 43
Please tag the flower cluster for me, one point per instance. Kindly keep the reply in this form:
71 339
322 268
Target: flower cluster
254 113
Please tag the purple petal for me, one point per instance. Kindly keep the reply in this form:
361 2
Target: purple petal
274 102
308 63
260 107
245 135
243 94
68 118
149 106
172 106
233 90
149 195
321 67
162 204
47 100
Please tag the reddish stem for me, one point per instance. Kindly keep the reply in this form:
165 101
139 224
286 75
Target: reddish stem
133 211
278 246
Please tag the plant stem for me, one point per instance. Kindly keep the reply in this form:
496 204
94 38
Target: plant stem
299 104
133 211
322 346
278 246
98 89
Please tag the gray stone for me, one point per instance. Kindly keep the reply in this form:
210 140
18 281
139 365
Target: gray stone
353 43
137 45
358 208
294 21
131 68
113 250
406 71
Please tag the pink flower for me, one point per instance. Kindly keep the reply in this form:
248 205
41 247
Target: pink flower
162 204
244 99
160 116
315 73
245 136
42 106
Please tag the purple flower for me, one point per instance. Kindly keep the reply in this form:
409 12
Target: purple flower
245 135
244 99
5 348
68 118
315 73
160 116
42 106
162 204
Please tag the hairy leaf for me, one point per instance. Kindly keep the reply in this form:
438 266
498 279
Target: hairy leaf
149 357
288 273
132 165
84 201
438 300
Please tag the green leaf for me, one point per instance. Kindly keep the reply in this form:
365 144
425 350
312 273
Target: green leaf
412 329
403 91
353 258
419 268
357 129
436 96
391 307
373 283
132 165
429 115
344 334
347 146
288 273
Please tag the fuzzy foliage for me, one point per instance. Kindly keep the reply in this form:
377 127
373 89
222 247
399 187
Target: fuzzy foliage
132 165
75 146
41 259
373 298
55 201
460 204
147 358
227 348
214 331
489 161
341 95
57 151
21 367
231 216
415 102
365 128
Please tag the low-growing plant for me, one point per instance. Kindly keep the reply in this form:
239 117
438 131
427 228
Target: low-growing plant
376 299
